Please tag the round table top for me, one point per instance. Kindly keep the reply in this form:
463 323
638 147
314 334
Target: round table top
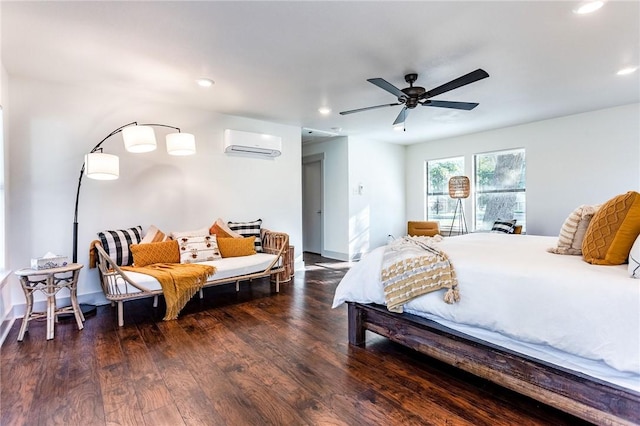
25 272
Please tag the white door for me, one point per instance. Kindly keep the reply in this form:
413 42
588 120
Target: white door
312 207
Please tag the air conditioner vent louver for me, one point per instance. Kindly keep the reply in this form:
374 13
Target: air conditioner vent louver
252 144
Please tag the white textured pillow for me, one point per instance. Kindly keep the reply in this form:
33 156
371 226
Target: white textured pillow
198 249
573 230
201 232
634 259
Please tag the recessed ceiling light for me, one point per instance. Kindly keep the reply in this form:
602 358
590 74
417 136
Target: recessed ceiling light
324 110
204 82
588 7
627 70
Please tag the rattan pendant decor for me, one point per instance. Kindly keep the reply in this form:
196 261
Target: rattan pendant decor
459 188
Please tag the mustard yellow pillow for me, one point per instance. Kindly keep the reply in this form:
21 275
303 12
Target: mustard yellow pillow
150 253
235 247
612 230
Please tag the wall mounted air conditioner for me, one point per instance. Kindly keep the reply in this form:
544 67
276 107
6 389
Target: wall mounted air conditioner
253 144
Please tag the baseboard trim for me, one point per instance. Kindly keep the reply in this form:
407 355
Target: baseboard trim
335 255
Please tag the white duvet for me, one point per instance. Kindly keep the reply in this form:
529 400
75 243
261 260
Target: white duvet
511 285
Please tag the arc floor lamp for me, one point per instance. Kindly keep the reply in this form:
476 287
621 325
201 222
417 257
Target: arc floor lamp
137 138
459 188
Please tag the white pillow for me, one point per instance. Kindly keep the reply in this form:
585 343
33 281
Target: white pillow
195 233
634 259
198 249
573 230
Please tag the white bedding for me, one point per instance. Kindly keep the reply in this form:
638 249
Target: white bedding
510 285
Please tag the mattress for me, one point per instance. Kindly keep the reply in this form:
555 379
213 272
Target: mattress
516 294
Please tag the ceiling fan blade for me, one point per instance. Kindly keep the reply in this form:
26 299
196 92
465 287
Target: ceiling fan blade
467 106
368 108
385 85
402 116
473 76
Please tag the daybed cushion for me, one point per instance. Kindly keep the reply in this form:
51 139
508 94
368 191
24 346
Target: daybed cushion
573 230
613 230
225 268
160 252
235 247
634 259
116 243
198 249
504 226
248 229
154 235
221 230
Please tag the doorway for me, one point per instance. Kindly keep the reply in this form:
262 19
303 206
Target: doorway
312 203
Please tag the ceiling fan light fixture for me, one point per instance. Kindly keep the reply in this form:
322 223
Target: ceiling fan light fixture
324 110
587 7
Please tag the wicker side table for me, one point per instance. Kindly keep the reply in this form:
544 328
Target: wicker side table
50 282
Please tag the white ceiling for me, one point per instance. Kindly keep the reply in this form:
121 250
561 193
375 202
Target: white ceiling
281 61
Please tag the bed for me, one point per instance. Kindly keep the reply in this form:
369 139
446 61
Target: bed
549 326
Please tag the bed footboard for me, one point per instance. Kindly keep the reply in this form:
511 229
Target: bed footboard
578 394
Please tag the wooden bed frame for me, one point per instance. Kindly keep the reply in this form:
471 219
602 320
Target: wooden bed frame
575 393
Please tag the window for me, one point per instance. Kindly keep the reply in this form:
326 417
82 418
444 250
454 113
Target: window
500 188
439 206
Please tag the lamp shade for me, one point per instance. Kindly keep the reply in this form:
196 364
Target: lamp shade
181 144
139 138
459 187
102 166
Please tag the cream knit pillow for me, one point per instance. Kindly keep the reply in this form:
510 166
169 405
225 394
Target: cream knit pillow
573 230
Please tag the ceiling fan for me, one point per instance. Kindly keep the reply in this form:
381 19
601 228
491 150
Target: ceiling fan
413 96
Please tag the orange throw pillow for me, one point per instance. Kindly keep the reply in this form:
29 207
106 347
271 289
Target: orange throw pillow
235 247
150 253
612 230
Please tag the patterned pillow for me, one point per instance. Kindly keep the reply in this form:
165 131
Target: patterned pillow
221 229
504 226
236 247
149 253
613 230
116 244
248 229
573 230
634 259
154 235
198 249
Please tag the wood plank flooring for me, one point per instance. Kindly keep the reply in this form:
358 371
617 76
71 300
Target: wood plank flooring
248 358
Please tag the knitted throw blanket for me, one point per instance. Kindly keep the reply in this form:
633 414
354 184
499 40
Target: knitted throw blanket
179 282
411 267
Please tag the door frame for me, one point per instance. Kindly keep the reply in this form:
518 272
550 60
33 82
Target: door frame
312 159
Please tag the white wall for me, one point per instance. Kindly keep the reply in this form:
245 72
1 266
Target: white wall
355 222
579 159
53 126
336 195
378 209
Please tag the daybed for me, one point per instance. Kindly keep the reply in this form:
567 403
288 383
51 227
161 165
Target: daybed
553 327
122 283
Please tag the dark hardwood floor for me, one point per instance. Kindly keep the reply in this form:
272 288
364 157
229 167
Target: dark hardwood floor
247 358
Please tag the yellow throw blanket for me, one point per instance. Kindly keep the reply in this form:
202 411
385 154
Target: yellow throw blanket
411 267
179 282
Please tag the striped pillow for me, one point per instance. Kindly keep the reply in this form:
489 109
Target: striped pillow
634 259
504 226
116 244
154 235
573 230
249 229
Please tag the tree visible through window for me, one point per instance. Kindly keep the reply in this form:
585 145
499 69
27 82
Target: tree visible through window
500 188
440 206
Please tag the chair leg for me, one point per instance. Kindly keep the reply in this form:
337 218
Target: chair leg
120 313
